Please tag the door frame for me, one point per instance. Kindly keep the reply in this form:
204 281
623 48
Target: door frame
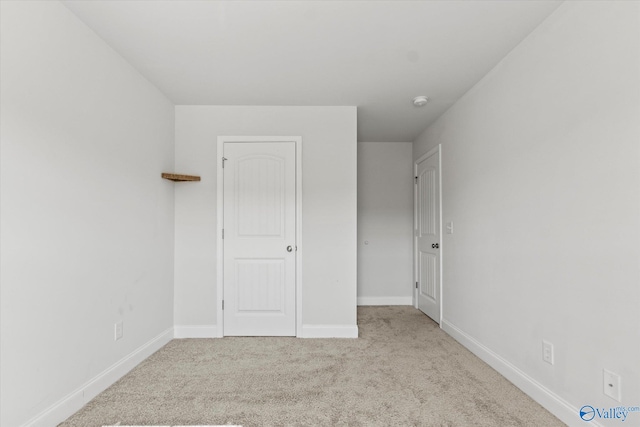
220 222
437 149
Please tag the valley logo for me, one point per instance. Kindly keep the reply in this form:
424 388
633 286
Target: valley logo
588 412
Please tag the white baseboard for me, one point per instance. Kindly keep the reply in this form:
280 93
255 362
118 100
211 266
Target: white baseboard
71 403
329 331
566 412
385 300
196 331
308 331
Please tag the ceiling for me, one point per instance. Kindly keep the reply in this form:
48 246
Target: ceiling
376 55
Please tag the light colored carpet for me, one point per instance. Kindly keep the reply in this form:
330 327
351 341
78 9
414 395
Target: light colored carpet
402 371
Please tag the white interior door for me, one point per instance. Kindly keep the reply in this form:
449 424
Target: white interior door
428 234
259 238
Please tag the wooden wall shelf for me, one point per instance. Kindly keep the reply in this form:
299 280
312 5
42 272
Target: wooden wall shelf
179 178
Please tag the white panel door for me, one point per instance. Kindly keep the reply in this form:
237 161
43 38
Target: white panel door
428 234
259 239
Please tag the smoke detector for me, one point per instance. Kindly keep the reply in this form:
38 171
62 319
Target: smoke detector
420 101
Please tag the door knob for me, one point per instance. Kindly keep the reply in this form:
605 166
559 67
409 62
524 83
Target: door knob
289 248
435 245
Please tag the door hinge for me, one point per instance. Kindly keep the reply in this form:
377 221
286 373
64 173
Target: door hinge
223 159
223 304
223 234
416 285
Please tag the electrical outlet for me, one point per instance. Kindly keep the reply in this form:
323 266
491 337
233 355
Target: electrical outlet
611 384
118 328
547 352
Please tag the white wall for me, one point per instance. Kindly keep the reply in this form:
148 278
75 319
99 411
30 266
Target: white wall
328 207
86 221
385 223
541 177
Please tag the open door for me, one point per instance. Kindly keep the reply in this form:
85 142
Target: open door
428 267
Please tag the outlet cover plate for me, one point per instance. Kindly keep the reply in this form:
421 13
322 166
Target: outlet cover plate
118 330
611 384
547 352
